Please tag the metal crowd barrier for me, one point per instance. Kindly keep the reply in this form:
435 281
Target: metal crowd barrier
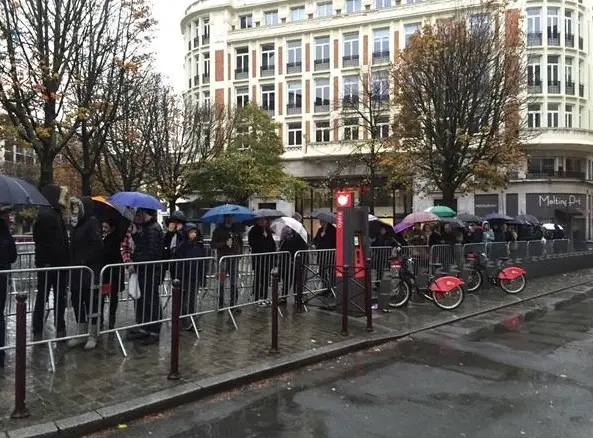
318 273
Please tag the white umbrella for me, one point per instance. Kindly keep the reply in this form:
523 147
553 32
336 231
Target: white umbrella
279 224
551 227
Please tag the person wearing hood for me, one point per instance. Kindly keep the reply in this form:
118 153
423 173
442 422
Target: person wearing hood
487 233
261 241
113 278
174 235
227 241
325 238
51 250
86 249
8 255
193 273
291 242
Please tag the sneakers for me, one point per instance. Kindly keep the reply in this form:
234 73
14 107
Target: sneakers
91 342
75 342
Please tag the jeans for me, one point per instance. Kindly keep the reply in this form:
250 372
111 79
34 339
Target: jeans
58 281
148 306
113 301
262 269
229 269
85 302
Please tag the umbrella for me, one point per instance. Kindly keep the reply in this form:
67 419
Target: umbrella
324 216
421 216
454 222
15 191
467 217
551 227
375 224
402 226
281 223
105 209
497 217
441 211
269 213
136 200
528 218
217 214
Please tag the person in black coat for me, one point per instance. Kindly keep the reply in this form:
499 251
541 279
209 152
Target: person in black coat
261 241
173 239
113 278
227 241
324 239
291 242
193 272
381 253
86 249
51 251
8 255
148 241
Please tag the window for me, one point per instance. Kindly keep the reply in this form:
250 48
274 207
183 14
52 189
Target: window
322 131
568 30
411 2
295 53
351 129
380 86
553 23
267 57
380 4
480 23
321 50
242 60
581 111
581 72
206 65
534 115
541 166
295 134
268 97
322 92
295 95
297 14
352 6
351 46
553 115
568 70
534 78
242 97
206 32
325 9
580 25
568 116
553 70
246 21
409 30
382 128
351 89
206 99
381 42
271 18
534 24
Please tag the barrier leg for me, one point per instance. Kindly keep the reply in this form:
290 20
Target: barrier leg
20 380
345 298
175 313
274 349
368 295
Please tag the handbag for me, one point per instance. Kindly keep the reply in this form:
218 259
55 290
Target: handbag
134 287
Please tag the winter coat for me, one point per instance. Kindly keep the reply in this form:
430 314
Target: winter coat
259 242
111 256
49 231
292 243
8 252
381 254
192 272
86 245
221 235
148 242
449 238
328 240
172 242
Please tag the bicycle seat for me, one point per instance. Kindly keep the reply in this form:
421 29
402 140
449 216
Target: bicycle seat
503 259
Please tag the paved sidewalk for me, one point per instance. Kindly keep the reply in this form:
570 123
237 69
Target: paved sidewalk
87 381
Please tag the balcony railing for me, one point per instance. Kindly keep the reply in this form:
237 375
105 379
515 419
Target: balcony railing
196 80
381 57
569 40
350 102
205 39
321 64
205 78
196 42
553 39
581 90
568 174
267 70
321 106
535 87
294 67
569 87
553 87
270 111
241 73
581 43
350 61
534 39
292 108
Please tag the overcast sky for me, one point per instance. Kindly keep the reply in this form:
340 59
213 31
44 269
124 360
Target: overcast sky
169 42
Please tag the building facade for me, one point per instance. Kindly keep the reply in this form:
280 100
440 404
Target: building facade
300 59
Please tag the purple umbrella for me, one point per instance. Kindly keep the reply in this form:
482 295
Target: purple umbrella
402 226
421 216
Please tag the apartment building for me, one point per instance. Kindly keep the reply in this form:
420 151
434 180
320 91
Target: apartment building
300 59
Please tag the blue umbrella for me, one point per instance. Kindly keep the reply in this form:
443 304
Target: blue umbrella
497 217
15 191
324 216
136 200
217 214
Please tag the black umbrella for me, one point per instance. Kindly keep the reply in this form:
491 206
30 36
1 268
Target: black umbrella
15 191
375 225
324 216
467 217
529 218
454 222
269 213
499 217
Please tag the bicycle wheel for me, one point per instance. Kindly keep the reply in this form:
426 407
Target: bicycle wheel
513 286
449 300
475 278
400 294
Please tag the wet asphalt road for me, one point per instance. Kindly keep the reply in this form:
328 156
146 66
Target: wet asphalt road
534 381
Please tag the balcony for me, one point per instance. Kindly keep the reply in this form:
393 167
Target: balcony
321 106
554 87
241 73
205 39
581 44
565 174
292 109
581 90
267 70
350 102
553 39
569 88
381 57
270 111
196 42
206 78
350 61
534 39
321 64
535 87
569 40
294 67
196 80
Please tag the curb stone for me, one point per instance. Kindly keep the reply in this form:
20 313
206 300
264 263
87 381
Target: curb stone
113 415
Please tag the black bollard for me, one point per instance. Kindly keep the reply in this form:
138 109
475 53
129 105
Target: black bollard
368 294
298 284
346 286
274 348
20 366
175 314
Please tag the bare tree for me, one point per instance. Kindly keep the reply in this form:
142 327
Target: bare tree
39 50
459 87
365 111
115 48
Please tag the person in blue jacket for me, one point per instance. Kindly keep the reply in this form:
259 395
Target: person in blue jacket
8 255
193 272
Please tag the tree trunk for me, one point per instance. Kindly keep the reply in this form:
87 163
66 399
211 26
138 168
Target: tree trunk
372 192
172 205
46 169
86 188
448 194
